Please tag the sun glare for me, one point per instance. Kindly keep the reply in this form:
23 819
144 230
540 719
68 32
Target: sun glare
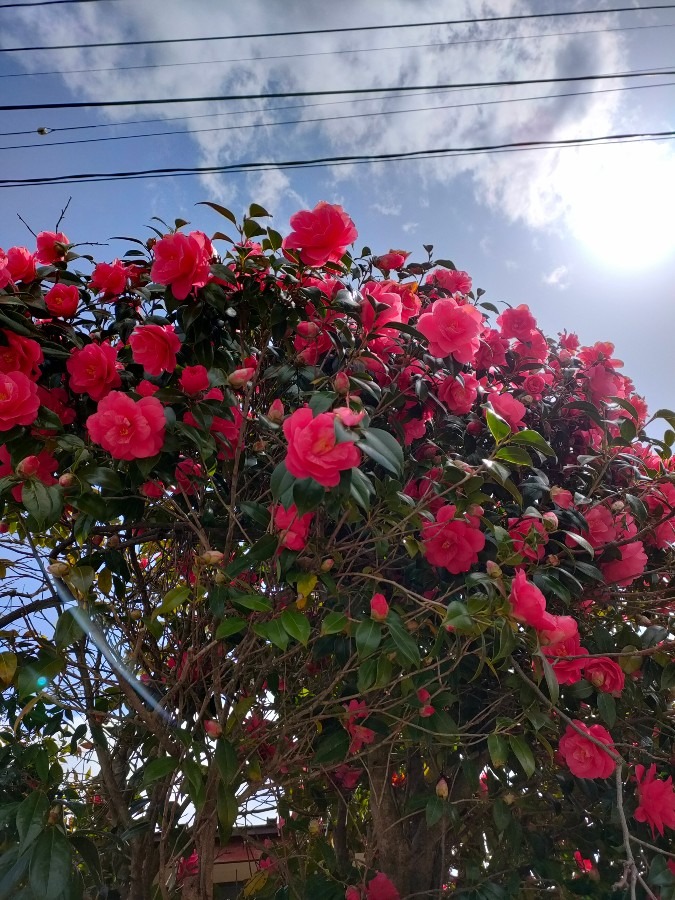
622 204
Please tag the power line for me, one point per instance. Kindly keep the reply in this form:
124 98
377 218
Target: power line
394 112
343 30
49 3
211 62
90 177
275 95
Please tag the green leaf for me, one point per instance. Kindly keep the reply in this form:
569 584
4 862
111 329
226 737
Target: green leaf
523 753
499 428
530 438
516 455
255 602
229 627
158 768
68 630
591 411
668 678
257 212
334 623
31 817
172 600
367 675
274 632
434 810
457 617
332 747
228 809
581 541
407 651
226 760
296 625
368 636
89 853
222 210
50 865
550 677
308 495
501 813
501 474
281 481
360 488
607 708
8 664
383 448
498 749
43 502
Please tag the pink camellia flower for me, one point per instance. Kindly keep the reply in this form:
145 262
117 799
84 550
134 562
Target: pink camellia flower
584 864
558 629
194 379
62 300
561 497
321 234
154 347
379 608
584 758
94 370
212 728
153 490
377 293
147 388
241 377
20 354
41 467
57 399
109 278
359 734
605 675
188 867
187 474
352 893
128 429
451 280
51 247
452 543
529 537
517 323
276 412
567 671
182 261
21 264
661 502
528 604
424 697
459 396
492 350
294 528
452 329
395 259
19 402
656 800
625 570
5 274
510 409
313 450
381 888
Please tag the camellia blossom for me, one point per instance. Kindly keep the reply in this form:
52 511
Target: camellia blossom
128 429
452 543
21 264
517 323
294 528
656 799
510 409
451 280
567 671
183 261
62 300
109 278
194 379
50 247
154 347
459 395
313 450
94 370
379 608
321 234
605 675
19 402
381 888
528 604
628 567
584 758
452 329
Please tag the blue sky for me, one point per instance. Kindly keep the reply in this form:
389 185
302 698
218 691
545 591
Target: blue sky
586 237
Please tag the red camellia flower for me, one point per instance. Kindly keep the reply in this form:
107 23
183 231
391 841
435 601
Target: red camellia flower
510 409
62 300
381 888
21 264
321 234
182 261
379 608
529 537
293 527
109 278
528 604
94 370
128 429
451 280
452 543
567 671
395 259
19 403
313 450
625 570
605 675
20 354
452 329
50 247
656 800
558 629
5 274
154 347
459 395
584 758
517 323
194 379
41 466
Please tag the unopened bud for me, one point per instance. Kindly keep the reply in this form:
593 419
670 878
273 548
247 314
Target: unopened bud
220 578
276 412
259 446
327 565
213 729
240 377
67 480
54 815
59 569
28 467
553 560
211 557
618 506
341 383
474 427
442 789
509 798
493 570
528 398
550 521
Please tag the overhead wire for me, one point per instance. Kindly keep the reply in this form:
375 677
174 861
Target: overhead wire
343 29
239 59
330 161
50 3
275 95
394 112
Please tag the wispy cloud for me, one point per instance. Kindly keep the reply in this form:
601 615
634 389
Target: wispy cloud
557 278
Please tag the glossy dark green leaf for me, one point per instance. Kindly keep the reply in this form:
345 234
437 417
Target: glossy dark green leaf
383 448
368 636
523 753
296 624
31 817
50 865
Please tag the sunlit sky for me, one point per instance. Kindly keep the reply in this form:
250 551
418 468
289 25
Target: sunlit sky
586 236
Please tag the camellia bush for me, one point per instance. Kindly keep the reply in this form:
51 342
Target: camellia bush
299 531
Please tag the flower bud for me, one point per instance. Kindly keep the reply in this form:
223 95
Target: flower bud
259 446
67 480
474 427
553 560
493 570
550 521
28 467
379 608
211 558
276 412
240 377
58 569
212 728
618 506
327 565
442 789
341 383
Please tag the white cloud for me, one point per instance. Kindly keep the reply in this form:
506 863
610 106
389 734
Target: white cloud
525 186
410 227
557 278
387 209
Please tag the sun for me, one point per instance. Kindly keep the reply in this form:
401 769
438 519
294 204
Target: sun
621 204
